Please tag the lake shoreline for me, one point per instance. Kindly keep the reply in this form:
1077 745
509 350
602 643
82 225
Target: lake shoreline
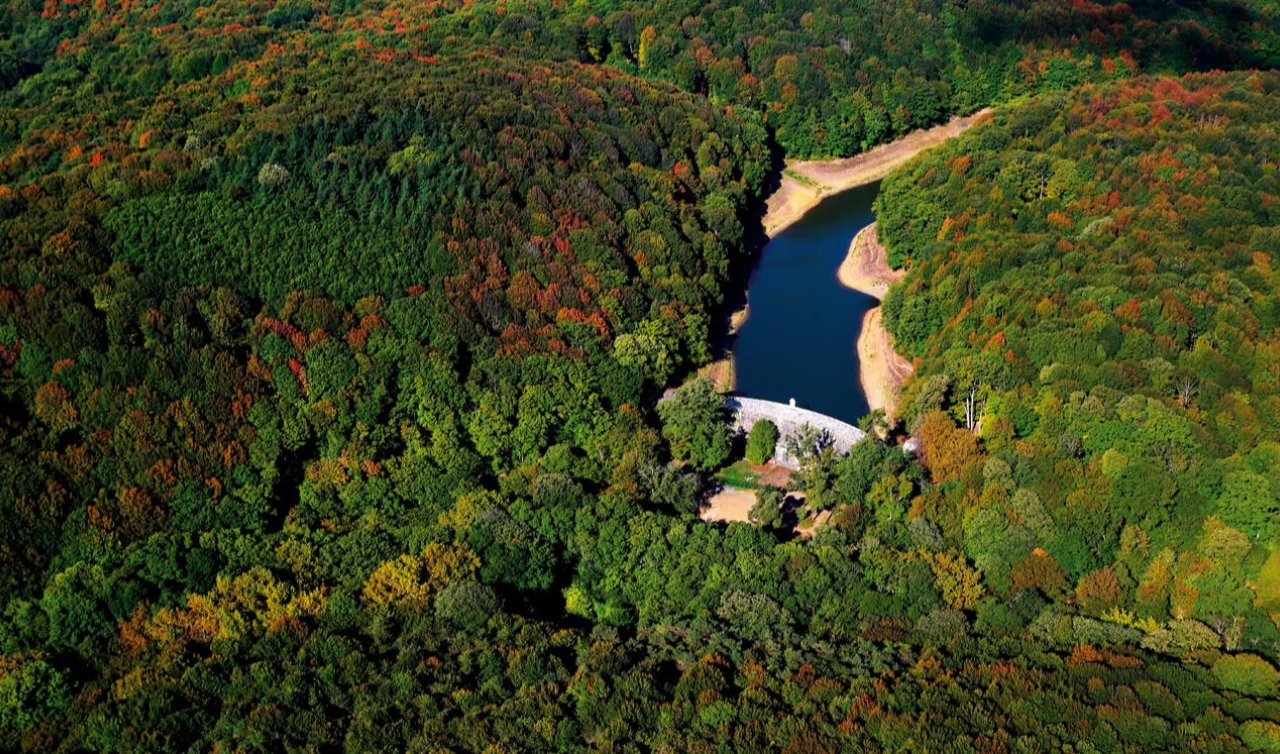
805 183
882 370
803 186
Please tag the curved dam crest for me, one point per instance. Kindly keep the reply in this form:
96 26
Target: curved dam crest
789 420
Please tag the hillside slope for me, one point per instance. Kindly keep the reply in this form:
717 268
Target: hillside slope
1092 289
330 331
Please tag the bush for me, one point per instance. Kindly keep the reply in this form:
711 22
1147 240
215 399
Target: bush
761 441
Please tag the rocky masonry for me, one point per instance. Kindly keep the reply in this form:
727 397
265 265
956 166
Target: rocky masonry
791 419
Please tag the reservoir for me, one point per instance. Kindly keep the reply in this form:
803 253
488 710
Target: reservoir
800 338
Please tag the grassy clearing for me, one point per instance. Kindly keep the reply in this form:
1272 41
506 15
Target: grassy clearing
739 474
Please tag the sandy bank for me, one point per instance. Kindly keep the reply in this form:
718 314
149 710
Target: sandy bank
883 370
721 373
866 268
805 183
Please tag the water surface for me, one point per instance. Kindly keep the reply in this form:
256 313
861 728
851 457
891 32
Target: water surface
800 340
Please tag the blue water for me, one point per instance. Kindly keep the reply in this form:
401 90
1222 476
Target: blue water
800 340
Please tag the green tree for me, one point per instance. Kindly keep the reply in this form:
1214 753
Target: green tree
807 443
695 425
651 349
1248 674
761 441
767 510
1248 503
673 488
1261 735
31 691
960 584
466 605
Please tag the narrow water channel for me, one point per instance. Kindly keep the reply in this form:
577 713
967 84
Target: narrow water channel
800 339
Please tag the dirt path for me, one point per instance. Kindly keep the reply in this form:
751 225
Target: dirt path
883 370
733 504
805 183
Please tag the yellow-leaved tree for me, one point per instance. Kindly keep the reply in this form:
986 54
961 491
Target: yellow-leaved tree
410 581
961 585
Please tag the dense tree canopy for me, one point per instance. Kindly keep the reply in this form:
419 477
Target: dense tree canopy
1094 273
331 335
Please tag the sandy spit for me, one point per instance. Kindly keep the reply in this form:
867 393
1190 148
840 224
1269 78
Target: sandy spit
866 268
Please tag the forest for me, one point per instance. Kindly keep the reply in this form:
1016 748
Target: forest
331 335
1091 290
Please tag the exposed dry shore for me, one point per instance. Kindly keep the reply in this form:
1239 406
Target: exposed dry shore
883 370
805 183
866 268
